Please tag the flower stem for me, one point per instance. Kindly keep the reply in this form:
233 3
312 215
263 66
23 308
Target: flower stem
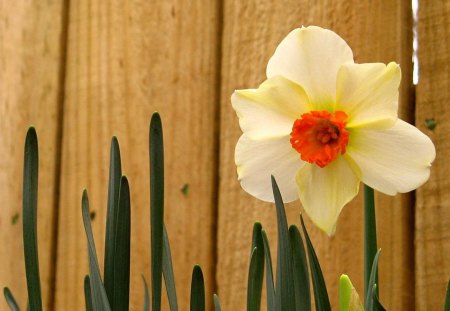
370 235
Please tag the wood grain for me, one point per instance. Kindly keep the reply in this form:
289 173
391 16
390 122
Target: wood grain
31 57
126 60
432 227
376 31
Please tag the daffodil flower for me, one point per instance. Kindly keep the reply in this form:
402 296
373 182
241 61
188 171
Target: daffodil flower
321 124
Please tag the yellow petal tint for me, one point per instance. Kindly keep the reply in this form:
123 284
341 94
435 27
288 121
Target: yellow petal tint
270 110
311 57
368 93
392 160
324 191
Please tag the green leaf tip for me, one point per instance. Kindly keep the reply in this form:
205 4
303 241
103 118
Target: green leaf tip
156 151
10 300
197 290
320 289
29 216
348 297
447 298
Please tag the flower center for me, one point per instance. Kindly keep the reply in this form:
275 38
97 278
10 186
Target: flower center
320 136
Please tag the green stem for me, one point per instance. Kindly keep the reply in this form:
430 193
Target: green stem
370 235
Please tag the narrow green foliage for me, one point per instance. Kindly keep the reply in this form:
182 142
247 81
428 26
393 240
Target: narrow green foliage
29 212
256 270
376 302
87 293
115 173
10 300
284 290
146 296
197 290
169 277
300 271
372 291
447 298
99 297
122 249
217 306
270 288
370 236
156 207
320 289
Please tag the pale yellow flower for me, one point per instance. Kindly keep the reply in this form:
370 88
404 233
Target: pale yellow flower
321 124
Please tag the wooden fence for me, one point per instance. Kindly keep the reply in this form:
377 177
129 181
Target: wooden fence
84 70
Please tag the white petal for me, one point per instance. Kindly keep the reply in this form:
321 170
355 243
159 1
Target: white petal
392 160
311 57
368 93
270 110
257 160
324 191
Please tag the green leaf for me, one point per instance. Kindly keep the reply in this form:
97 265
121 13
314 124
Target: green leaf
300 271
270 288
370 236
122 251
146 296
115 174
376 302
369 304
10 300
87 293
197 290
99 297
447 298
348 297
256 270
284 290
156 207
217 306
320 289
30 194
169 277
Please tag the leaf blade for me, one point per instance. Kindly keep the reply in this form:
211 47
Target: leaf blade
29 212
270 288
10 300
156 206
99 298
87 293
300 269
168 274
121 291
284 292
369 303
115 174
320 289
217 306
197 290
256 270
447 298
146 296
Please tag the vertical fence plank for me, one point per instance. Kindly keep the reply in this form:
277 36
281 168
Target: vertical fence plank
376 31
31 64
433 200
127 59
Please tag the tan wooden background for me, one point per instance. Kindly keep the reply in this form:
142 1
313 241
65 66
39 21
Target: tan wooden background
84 70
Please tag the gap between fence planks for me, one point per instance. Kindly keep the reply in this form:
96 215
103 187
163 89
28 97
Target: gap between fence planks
376 31
433 199
31 67
125 60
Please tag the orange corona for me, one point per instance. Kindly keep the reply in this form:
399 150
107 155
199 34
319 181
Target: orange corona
320 136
